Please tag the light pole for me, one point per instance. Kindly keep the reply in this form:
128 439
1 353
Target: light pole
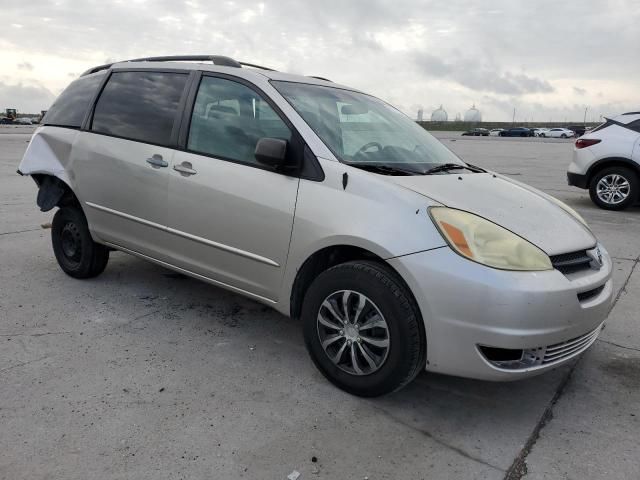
585 115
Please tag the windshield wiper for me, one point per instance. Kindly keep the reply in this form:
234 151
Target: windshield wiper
383 169
445 167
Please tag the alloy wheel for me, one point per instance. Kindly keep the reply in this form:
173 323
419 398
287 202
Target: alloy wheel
613 189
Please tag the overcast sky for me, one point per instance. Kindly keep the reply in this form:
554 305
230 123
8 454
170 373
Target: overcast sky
548 59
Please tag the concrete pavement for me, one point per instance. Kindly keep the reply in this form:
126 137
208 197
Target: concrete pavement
141 373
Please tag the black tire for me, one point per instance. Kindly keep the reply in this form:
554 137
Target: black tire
542 135
76 252
564 135
406 353
626 173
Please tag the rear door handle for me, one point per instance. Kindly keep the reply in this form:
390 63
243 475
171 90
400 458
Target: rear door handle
185 169
156 161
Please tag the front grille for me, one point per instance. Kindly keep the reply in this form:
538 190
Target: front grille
589 294
573 262
559 351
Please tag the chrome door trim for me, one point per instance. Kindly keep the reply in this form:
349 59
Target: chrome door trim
133 218
190 273
195 238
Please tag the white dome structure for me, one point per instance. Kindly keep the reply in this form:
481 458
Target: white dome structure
439 115
473 115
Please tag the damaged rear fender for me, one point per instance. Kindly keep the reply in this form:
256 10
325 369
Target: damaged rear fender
45 159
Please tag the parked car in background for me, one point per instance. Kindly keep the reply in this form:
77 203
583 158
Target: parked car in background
517 132
494 132
558 133
476 132
606 160
538 131
395 255
23 121
578 130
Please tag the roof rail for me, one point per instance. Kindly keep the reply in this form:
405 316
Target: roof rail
632 113
215 59
320 78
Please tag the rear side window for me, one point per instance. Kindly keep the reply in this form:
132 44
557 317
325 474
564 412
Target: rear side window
228 120
73 103
139 105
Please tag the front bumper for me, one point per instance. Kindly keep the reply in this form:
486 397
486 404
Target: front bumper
466 306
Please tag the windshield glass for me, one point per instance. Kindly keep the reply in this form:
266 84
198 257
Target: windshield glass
362 130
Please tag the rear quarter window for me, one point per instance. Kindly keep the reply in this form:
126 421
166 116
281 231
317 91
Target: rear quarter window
139 106
73 103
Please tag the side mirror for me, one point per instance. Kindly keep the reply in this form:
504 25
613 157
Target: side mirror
271 151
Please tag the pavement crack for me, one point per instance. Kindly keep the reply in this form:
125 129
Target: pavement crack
44 334
618 345
439 441
21 231
22 364
518 468
623 289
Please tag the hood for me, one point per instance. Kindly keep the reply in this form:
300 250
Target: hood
512 205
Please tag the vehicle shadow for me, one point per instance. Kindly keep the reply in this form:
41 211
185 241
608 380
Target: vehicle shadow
485 421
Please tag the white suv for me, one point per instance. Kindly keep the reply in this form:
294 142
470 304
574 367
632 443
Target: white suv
606 160
327 204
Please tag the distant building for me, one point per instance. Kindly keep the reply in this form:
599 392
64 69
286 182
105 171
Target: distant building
473 115
439 115
458 117
420 115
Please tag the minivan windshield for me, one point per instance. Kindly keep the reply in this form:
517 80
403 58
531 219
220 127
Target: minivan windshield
365 132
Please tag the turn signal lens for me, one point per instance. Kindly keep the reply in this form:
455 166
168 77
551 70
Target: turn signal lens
484 242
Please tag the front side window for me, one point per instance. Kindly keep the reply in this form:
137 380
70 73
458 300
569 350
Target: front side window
73 103
139 105
228 120
364 131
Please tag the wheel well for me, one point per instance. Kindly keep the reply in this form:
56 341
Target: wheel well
53 192
321 261
611 162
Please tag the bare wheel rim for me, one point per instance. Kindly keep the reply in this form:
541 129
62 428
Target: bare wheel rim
71 242
613 189
353 332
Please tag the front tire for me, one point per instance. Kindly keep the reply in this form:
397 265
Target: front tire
614 188
76 252
363 329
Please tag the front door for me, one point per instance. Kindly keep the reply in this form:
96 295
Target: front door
230 217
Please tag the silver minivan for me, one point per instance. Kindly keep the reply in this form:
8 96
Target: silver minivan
327 204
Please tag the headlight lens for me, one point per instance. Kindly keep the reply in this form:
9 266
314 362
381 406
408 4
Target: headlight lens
569 210
485 242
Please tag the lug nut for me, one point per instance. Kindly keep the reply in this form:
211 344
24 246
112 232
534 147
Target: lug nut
341 332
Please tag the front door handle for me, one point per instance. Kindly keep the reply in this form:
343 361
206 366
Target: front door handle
156 161
185 169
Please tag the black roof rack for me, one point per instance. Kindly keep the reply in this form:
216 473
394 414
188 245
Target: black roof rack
320 78
215 59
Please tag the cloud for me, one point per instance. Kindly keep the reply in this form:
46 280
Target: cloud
27 98
579 91
25 66
408 52
481 77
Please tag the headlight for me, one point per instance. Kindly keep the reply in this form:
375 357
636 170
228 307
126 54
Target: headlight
485 242
569 210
